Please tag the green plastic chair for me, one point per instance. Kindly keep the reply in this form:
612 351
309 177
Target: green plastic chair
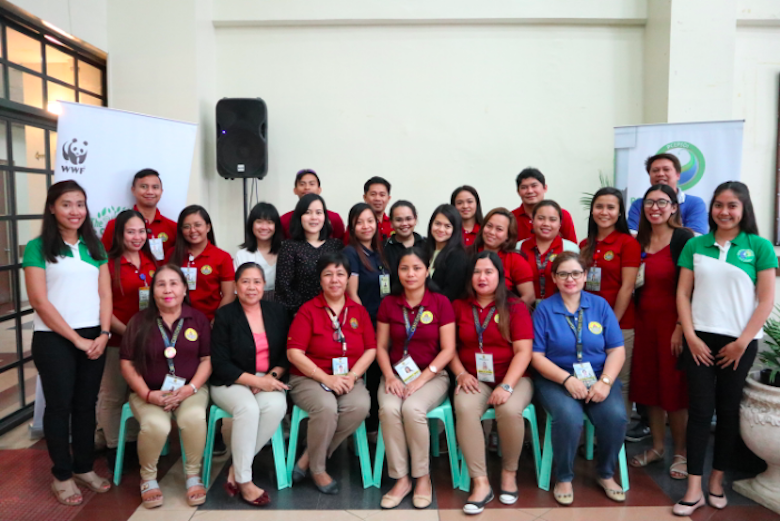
277 444
547 454
529 413
361 442
127 413
442 413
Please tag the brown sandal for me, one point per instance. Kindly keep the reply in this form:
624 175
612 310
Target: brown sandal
195 485
644 459
65 491
93 482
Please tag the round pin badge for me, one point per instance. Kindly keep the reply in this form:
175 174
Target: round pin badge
595 328
191 334
353 322
746 255
206 270
609 255
427 317
170 352
495 318
163 236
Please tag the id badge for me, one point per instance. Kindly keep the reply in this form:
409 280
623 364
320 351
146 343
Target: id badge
191 274
407 369
156 245
340 366
640 276
584 373
143 297
485 368
593 282
384 285
172 382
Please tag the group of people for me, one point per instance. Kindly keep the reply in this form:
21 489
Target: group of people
377 323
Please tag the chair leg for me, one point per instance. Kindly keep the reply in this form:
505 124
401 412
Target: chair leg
433 426
530 414
120 447
623 468
589 432
379 458
292 449
547 456
209 449
452 446
361 442
280 460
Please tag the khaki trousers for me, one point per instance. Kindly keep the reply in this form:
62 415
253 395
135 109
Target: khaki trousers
156 425
331 418
405 426
469 408
111 398
625 371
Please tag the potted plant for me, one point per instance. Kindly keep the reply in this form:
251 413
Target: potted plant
770 358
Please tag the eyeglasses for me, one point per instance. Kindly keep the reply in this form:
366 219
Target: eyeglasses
575 275
661 203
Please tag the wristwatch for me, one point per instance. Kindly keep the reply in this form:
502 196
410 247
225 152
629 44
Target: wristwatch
606 379
433 369
108 333
507 388
275 374
194 389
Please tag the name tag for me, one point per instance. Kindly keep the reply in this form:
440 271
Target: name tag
485 368
593 282
640 276
340 366
584 373
156 245
384 284
191 274
143 297
407 369
172 382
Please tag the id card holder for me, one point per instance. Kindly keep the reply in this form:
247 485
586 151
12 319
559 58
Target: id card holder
384 285
143 297
640 276
191 274
485 371
584 373
172 382
340 366
407 369
593 282
156 245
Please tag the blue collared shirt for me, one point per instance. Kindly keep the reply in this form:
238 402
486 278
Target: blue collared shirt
693 213
554 337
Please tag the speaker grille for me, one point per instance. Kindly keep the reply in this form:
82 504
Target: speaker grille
241 151
242 145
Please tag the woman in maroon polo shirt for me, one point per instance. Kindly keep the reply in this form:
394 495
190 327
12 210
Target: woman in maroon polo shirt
415 342
131 265
465 199
613 256
330 345
490 368
166 362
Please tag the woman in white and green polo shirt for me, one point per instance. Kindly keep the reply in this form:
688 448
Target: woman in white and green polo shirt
69 287
725 294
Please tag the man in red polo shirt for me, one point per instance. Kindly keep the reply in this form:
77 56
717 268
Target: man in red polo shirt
531 188
161 231
308 182
376 194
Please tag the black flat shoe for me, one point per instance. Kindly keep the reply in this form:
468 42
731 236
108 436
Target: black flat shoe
476 507
330 489
299 474
508 498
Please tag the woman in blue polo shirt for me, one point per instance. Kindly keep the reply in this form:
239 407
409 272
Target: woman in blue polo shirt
578 354
725 294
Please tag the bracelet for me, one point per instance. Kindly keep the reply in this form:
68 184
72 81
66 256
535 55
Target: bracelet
460 374
147 395
353 373
563 383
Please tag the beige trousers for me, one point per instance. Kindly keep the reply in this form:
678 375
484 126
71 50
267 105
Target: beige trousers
625 371
331 418
469 408
112 396
405 426
156 425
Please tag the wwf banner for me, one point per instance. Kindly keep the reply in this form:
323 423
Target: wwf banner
103 148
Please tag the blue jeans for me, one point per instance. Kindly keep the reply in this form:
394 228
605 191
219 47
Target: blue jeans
608 417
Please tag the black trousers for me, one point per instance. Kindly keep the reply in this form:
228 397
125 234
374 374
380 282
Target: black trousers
713 389
71 382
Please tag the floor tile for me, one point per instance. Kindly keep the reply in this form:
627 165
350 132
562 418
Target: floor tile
17 438
406 515
156 514
615 513
535 512
489 514
363 514
261 514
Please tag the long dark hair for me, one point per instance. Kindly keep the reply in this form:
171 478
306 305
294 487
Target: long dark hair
454 244
263 211
645 230
593 229
420 253
511 232
180 250
748 222
144 321
376 242
296 228
501 297
473 191
118 246
52 244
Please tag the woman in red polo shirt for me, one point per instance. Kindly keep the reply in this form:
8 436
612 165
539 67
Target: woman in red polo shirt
330 345
466 200
208 269
490 368
546 243
131 265
415 342
499 235
613 256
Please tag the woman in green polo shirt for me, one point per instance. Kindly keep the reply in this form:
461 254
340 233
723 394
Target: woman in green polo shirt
725 294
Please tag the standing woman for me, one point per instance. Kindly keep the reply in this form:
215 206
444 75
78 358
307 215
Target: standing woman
131 265
415 342
494 341
724 296
263 235
369 280
655 380
613 258
499 235
297 277
403 217
466 200
449 262
209 270
64 263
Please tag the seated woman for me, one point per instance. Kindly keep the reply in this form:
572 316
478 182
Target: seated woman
494 340
415 342
249 357
165 360
578 353
330 345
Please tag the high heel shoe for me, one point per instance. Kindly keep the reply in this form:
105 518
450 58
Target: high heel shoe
231 488
260 501
685 508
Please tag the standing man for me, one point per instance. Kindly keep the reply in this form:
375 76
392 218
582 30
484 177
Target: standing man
531 187
308 182
665 169
376 193
161 231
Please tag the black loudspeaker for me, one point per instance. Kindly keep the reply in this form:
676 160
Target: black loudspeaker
242 138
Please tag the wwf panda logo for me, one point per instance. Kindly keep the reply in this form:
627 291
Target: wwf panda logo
75 152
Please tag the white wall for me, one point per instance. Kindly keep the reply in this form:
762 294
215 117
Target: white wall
84 19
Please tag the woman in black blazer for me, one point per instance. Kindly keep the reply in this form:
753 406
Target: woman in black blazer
249 358
449 269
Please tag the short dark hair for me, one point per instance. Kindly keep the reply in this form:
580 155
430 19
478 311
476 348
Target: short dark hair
552 204
265 211
671 157
400 204
248 265
296 228
567 256
306 171
527 173
748 222
333 257
376 180
146 172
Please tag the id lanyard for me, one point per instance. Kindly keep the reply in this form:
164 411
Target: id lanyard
482 327
170 345
410 329
578 333
541 267
338 334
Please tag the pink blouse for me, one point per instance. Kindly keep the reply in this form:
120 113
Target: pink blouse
261 352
